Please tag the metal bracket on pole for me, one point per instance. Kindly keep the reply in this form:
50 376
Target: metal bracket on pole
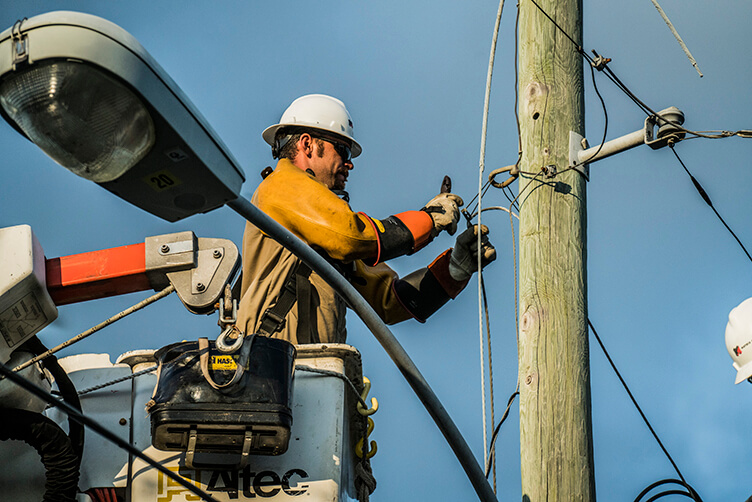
668 121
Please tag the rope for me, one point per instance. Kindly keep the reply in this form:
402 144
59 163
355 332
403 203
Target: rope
491 457
365 482
676 35
118 380
482 162
299 367
166 291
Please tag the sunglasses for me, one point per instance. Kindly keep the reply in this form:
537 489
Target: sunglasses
341 148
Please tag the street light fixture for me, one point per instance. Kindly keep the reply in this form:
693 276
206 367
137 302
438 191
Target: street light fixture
91 97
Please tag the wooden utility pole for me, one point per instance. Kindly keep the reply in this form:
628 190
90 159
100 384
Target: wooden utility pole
555 419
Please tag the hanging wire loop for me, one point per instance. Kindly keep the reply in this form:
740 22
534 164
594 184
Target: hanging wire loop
513 171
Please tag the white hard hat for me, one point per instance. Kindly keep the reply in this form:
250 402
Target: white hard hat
739 339
317 111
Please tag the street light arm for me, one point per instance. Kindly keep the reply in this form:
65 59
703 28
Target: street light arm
384 336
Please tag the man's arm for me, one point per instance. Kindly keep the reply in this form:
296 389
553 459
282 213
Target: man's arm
421 293
417 295
311 211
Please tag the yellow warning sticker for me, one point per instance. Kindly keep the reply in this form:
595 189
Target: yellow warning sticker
222 363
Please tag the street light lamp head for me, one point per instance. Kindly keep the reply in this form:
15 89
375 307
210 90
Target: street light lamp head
91 97
82 118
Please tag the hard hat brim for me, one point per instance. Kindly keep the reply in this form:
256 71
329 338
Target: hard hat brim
744 373
271 132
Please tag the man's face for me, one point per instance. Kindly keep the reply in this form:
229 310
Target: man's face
329 166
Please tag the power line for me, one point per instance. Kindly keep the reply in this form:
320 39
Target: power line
707 200
676 35
634 401
690 493
492 450
622 87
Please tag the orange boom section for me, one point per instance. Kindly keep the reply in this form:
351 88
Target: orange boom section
97 274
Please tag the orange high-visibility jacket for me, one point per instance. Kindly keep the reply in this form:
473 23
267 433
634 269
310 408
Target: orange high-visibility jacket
360 244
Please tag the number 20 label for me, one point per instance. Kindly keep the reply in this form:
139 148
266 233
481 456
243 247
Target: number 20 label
162 180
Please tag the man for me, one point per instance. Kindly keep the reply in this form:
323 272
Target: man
280 296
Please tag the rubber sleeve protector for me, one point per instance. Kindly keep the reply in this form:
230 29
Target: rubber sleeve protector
417 295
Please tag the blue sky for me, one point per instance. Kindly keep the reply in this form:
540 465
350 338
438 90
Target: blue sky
662 273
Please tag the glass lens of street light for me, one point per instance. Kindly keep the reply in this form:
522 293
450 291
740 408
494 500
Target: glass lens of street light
81 117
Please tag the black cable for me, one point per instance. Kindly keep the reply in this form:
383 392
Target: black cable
492 448
516 101
484 189
605 115
609 73
667 493
60 460
472 213
66 388
578 46
612 76
79 417
634 401
707 200
690 493
645 108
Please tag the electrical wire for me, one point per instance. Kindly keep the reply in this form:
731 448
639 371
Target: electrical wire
500 208
487 99
690 493
516 100
605 115
676 35
744 133
707 200
634 401
492 448
471 212
492 451
79 417
490 457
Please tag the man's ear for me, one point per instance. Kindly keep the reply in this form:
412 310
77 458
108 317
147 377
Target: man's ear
306 145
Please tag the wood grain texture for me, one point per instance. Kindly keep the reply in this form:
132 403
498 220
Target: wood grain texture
555 416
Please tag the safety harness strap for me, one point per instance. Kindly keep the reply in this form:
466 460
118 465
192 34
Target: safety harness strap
307 332
297 287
